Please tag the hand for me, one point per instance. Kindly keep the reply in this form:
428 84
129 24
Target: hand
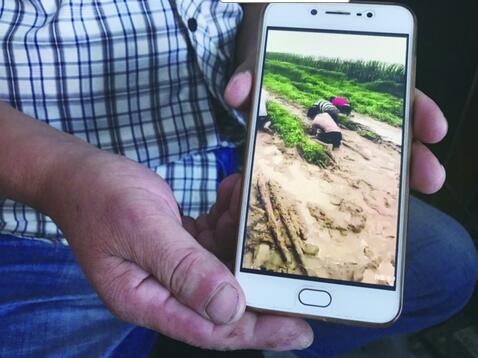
429 127
124 227
217 230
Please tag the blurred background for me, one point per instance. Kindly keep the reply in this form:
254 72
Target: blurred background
447 70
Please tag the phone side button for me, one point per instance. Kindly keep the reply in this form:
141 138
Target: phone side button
315 298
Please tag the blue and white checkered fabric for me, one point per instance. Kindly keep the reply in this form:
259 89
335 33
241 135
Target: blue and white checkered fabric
142 78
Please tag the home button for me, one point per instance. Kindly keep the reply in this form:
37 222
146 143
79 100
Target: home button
315 298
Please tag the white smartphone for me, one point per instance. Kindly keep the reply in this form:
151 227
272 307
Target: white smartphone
324 201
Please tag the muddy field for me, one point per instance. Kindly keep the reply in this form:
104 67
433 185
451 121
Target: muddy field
336 223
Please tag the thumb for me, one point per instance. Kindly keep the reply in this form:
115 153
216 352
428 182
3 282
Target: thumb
238 90
192 274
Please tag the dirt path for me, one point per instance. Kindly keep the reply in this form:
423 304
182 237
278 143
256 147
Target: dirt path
345 214
384 130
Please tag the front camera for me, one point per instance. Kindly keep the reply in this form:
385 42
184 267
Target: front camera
314 12
369 15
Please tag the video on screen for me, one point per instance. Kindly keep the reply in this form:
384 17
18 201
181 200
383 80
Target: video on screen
325 185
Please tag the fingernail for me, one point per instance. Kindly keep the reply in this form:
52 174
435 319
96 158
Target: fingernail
444 171
223 305
302 342
243 74
305 341
444 122
236 83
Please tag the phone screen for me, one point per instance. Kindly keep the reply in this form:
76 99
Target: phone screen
323 202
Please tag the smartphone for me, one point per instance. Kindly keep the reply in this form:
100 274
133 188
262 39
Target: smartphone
324 200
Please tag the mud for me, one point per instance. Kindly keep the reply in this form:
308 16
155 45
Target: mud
336 223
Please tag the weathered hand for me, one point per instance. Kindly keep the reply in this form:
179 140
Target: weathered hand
124 227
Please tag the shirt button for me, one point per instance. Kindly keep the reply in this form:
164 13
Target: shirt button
192 24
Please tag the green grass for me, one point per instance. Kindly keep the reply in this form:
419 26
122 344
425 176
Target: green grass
360 71
292 132
348 123
370 135
305 85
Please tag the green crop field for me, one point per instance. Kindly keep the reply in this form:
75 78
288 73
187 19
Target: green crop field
291 130
373 88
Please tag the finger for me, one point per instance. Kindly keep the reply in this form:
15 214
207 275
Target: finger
142 300
430 125
253 331
225 193
190 225
238 90
235 202
203 223
212 216
207 240
192 274
427 174
256 331
226 237
222 241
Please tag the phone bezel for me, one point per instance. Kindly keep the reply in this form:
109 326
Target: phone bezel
361 305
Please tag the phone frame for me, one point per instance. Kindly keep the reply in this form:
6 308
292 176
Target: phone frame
370 306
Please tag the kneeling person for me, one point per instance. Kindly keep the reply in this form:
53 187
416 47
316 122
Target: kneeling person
342 104
323 106
329 130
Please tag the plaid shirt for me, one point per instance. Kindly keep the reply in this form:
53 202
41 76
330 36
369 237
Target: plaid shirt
142 78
